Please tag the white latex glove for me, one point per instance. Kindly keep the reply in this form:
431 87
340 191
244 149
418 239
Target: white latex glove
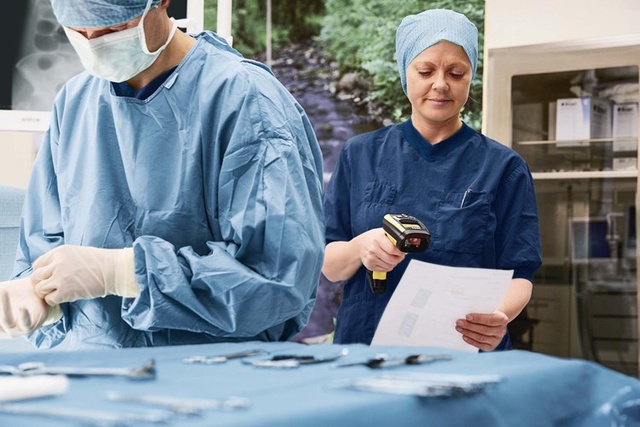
69 273
21 310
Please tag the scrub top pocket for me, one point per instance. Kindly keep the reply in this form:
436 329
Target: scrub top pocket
381 193
463 221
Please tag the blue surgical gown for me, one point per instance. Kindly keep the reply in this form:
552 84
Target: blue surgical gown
215 180
475 196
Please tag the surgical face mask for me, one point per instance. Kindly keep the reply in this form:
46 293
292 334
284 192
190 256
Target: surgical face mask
117 56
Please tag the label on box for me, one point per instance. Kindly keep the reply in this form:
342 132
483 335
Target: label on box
580 119
625 164
573 121
625 126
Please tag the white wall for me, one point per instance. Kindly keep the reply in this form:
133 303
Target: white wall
518 22
17 152
508 23
514 24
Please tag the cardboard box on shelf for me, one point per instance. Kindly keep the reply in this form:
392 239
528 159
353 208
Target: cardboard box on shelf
581 119
625 126
625 163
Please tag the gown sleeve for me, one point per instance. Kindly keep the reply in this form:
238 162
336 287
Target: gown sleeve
260 275
264 270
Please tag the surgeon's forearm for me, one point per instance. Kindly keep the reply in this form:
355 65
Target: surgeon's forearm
341 260
516 298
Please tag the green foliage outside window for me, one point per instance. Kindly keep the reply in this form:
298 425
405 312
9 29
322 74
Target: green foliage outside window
358 34
292 21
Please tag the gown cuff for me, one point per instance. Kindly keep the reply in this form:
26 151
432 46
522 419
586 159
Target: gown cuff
126 284
55 314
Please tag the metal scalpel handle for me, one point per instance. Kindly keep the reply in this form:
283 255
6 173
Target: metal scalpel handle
101 418
146 371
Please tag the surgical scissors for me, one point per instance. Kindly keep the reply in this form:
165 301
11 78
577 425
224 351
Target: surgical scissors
146 371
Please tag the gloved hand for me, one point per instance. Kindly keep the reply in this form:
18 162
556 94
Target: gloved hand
69 273
21 310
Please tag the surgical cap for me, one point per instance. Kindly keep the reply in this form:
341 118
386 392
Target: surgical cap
97 13
418 32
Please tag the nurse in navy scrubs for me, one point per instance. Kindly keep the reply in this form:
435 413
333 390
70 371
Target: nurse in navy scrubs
474 194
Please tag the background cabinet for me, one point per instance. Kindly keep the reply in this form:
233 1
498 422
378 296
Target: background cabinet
585 295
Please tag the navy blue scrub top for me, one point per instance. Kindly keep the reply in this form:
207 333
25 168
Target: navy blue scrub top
475 195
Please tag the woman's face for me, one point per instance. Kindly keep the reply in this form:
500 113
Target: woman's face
438 82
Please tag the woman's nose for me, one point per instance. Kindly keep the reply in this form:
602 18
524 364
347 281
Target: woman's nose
439 81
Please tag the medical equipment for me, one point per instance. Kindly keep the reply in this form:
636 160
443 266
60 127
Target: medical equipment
101 418
37 70
210 360
183 406
408 234
383 360
288 361
144 372
431 385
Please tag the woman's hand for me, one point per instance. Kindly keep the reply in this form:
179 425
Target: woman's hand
377 253
483 331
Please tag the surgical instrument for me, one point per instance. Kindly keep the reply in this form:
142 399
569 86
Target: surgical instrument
146 371
101 418
210 360
435 385
183 406
383 361
287 361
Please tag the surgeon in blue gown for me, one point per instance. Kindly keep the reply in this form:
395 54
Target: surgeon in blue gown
176 197
475 195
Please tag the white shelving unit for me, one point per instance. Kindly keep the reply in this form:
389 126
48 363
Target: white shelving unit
585 295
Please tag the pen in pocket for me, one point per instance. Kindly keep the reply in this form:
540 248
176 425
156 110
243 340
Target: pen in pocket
465 196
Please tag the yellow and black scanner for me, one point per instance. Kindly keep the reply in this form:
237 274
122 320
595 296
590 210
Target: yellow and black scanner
408 234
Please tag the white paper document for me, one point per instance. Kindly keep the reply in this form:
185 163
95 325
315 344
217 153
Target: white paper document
430 298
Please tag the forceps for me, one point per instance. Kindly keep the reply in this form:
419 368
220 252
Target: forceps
221 359
146 371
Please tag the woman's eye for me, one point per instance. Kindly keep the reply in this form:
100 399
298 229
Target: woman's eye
424 73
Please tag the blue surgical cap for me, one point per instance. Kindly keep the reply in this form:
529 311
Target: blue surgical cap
418 32
97 13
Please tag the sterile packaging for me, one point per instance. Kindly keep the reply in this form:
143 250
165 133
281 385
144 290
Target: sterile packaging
581 119
625 164
625 126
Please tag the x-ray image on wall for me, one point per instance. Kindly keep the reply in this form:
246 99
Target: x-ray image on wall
40 58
